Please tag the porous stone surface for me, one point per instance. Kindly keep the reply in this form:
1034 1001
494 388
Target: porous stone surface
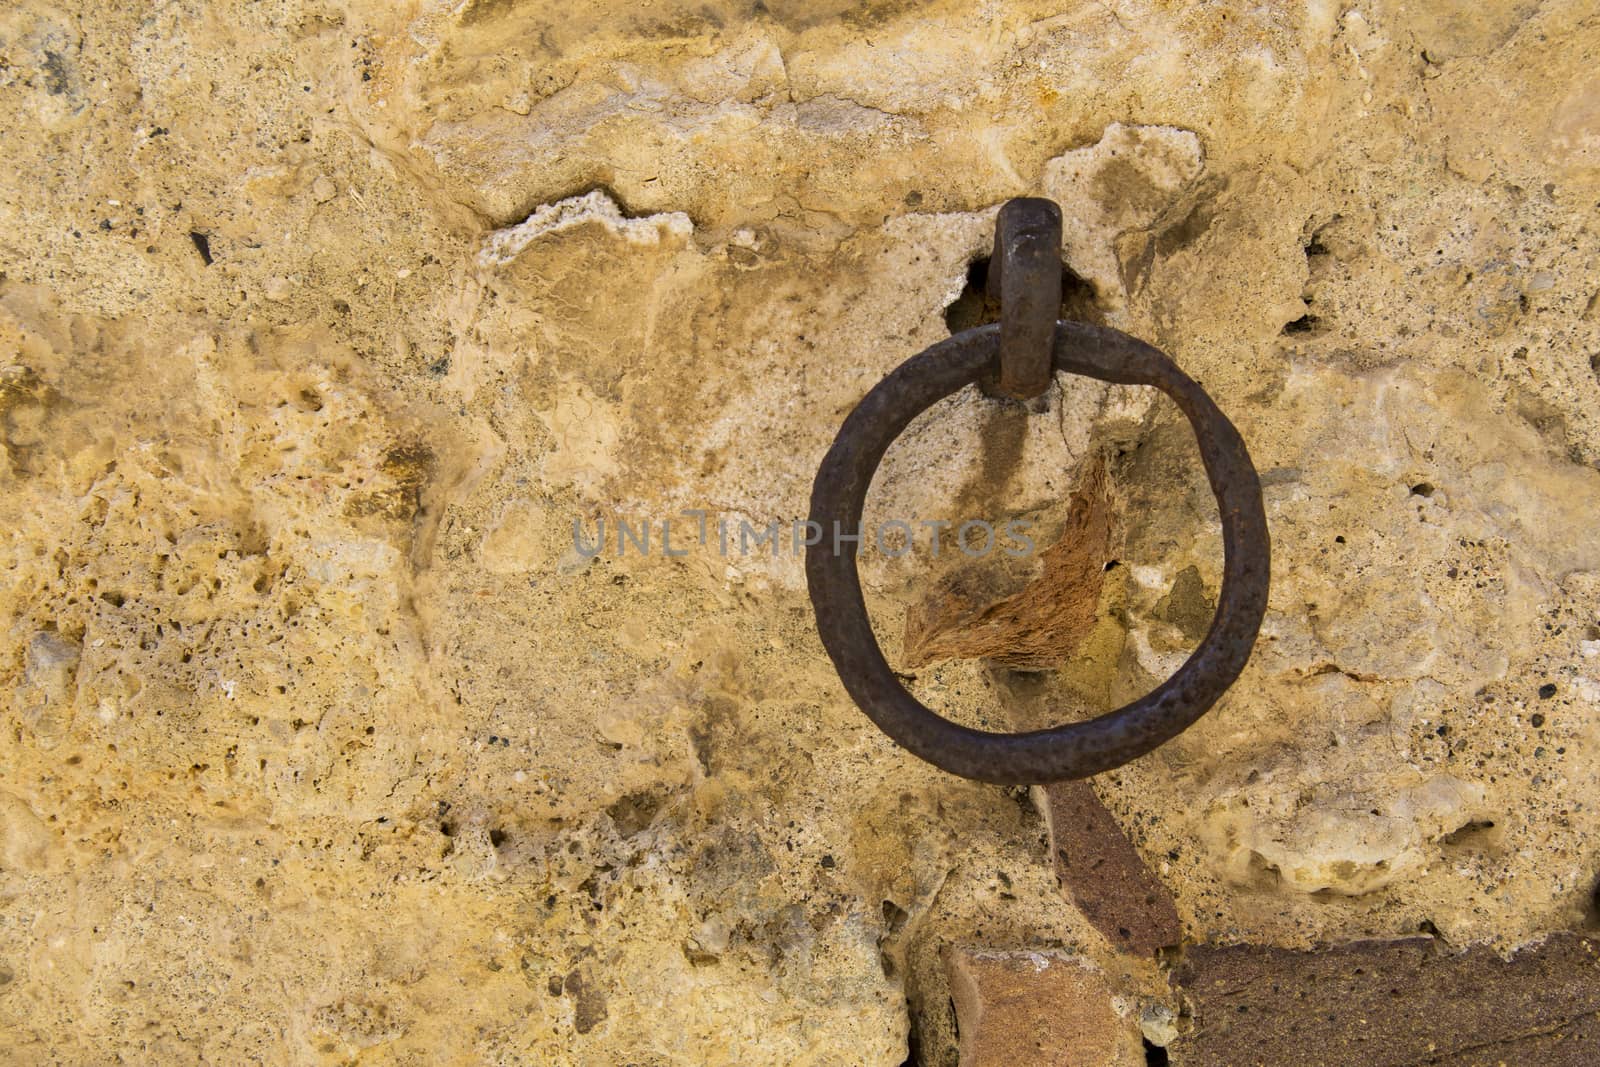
322 324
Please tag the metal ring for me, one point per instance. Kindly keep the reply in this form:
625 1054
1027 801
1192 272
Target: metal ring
1075 750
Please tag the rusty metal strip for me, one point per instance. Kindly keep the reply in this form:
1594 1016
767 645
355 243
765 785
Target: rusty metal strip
1025 281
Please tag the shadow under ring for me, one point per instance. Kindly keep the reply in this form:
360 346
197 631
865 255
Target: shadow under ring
1074 750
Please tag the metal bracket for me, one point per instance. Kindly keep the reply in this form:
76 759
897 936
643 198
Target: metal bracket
1025 281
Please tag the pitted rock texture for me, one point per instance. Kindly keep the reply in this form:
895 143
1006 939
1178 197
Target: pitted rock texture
327 739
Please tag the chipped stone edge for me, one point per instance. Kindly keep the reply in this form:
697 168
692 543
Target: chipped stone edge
1040 959
504 245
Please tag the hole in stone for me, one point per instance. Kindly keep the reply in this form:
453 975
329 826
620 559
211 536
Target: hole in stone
1155 1055
1466 833
973 308
202 244
968 309
1304 324
1077 298
914 1056
635 812
1422 489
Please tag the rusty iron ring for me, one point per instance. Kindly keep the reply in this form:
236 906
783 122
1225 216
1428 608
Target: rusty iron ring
1074 750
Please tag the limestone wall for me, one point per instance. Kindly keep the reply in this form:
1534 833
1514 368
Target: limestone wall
321 324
